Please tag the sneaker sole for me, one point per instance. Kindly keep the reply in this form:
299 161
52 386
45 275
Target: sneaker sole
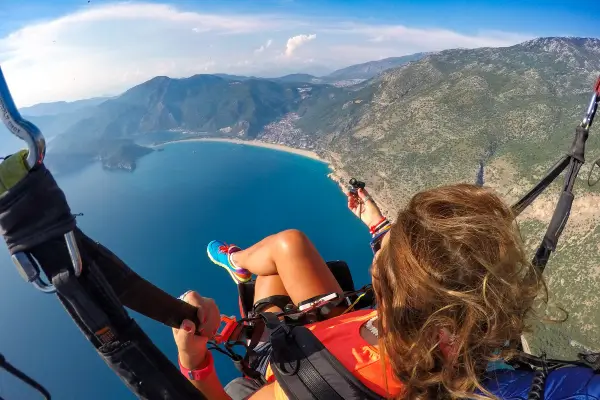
229 271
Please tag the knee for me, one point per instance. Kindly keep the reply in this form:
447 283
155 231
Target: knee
292 240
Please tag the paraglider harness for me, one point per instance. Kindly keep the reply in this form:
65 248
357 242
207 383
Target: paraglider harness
95 286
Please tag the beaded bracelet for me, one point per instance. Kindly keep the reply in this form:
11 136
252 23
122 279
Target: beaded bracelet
380 227
373 228
376 241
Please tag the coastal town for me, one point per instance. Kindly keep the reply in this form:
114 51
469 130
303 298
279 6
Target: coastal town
284 132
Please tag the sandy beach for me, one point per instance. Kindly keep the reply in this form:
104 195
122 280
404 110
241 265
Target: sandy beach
337 176
256 143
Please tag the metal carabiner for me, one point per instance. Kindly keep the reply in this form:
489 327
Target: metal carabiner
22 128
28 267
593 107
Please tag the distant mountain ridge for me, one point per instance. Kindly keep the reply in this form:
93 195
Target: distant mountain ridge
199 105
358 72
224 104
300 78
66 117
60 107
372 68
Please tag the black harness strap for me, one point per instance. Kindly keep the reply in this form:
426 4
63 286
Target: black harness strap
34 217
573 161
135 292
8 367
305 369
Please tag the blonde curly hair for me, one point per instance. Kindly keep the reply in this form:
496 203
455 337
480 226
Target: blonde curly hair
454 262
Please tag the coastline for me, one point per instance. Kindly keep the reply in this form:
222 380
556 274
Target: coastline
256 143
336 174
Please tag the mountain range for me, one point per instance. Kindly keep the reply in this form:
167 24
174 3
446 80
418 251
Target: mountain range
497 115
91 123
61 107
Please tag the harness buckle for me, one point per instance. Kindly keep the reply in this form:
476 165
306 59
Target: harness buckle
230 326
29 268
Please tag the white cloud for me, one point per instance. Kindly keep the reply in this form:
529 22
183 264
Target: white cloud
264 46
105 49
435 39
294 42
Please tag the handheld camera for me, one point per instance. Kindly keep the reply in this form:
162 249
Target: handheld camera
355 184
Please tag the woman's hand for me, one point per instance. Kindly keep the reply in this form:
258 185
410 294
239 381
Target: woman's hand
363 206
192 347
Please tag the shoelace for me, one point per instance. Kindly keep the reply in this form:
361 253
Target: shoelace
224 248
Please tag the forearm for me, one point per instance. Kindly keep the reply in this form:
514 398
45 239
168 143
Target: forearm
210 386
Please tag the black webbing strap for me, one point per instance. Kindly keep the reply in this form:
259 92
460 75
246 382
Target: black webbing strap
34 217
297 377
246 364
126 349
572 162
17 373
539 188
136 292
591 360
306 370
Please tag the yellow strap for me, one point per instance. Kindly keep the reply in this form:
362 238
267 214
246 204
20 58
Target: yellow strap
353 304
12 170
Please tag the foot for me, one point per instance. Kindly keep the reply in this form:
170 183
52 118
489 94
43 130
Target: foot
220 254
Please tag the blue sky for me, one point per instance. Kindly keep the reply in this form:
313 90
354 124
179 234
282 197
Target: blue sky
67 49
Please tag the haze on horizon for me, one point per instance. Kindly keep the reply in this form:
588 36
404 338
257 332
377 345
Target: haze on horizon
74 49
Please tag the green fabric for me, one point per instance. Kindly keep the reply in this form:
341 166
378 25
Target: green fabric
12 170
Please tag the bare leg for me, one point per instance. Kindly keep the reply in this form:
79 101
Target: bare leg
293 258
268 286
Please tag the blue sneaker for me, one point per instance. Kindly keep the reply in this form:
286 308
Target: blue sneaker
220 254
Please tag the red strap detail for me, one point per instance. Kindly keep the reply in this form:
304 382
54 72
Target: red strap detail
372 228
597 87
230 325
201 373
225 248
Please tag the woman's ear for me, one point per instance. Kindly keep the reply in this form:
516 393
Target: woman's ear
448 343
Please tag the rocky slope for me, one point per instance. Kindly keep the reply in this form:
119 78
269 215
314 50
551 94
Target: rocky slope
503 115
439 119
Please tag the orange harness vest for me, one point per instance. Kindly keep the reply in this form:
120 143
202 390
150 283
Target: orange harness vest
341 336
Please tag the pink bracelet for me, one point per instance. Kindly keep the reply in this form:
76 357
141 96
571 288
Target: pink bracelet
202 373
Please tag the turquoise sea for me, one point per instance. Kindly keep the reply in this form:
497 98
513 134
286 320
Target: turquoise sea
159 220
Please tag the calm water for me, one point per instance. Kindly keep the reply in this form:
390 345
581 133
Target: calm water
159 220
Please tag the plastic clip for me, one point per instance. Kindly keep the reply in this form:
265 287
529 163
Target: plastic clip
225 334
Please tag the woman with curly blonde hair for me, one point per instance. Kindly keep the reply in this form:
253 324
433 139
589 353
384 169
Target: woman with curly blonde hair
453 288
